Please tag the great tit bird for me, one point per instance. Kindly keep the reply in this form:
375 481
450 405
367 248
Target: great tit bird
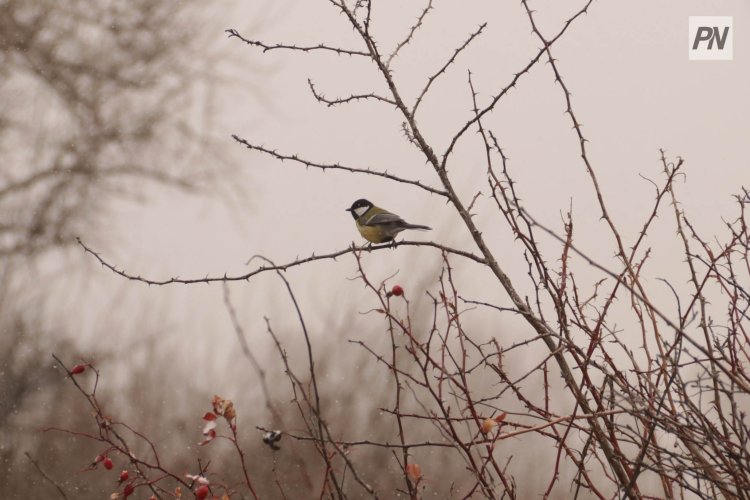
377 225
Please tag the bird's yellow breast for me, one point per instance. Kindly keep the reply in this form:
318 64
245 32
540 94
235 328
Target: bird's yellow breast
373 234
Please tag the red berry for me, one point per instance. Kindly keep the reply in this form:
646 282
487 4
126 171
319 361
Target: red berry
78 369
201 492
397 290
124 476
129 489
108 463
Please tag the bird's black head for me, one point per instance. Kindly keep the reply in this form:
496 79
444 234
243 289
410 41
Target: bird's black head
359 207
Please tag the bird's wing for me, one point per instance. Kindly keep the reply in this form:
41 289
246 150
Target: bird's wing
383 218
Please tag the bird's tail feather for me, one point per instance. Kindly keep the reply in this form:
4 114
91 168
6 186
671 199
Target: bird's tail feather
417 226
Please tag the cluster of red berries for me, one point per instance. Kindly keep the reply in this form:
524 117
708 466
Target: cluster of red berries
201 492
124 475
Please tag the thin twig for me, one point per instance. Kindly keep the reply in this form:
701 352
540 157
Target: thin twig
320 47
335 166
45 476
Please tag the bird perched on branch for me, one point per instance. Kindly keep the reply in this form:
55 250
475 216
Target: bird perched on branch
377 225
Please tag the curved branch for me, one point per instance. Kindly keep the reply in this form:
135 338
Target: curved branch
281 267
344 100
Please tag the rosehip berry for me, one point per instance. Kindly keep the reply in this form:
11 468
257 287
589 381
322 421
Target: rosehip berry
397 290
108 463
77 369
124 476
201 492
129 489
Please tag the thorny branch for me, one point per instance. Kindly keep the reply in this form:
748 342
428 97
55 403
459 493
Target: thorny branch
280 267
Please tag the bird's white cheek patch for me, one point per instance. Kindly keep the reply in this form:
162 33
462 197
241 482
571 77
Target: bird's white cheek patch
361 211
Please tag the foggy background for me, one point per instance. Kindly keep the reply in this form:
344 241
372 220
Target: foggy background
133 107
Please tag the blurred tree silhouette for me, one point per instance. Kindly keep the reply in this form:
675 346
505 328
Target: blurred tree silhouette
96 100
93 97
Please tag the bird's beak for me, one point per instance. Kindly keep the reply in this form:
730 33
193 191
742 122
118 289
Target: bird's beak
347 210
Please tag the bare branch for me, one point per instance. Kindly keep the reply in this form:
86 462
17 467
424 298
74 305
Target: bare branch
410 36
335 166
445 66
509 86
354 97
46 476
266 47
280 267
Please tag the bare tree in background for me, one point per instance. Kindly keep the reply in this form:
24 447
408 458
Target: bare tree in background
600 414
93 97
97 103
